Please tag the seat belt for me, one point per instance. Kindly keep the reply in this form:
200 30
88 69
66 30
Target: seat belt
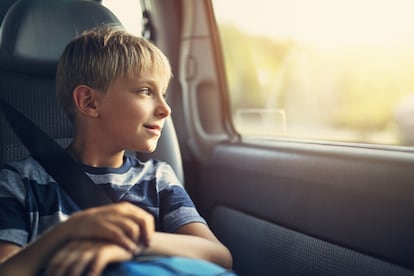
55 160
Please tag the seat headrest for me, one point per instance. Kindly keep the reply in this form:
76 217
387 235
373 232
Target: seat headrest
35 32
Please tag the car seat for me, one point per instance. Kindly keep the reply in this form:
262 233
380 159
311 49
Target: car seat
32 37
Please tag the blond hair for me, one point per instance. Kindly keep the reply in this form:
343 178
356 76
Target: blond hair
101 55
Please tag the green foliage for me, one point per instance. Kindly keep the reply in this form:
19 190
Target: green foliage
243 56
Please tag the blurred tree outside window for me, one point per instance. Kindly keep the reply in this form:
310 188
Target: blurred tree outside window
331 70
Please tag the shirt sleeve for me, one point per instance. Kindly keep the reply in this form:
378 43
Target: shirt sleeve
176 206
13 218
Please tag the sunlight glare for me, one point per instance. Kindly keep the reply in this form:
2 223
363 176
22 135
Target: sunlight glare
348 23
129 17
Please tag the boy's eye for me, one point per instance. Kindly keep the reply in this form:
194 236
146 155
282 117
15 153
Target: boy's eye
145 91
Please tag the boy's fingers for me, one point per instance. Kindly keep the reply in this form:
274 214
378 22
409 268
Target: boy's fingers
104 257
122 223
149 230
146 226
115 234
62 262
141 217
131 229
81 265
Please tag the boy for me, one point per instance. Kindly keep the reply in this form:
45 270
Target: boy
112 85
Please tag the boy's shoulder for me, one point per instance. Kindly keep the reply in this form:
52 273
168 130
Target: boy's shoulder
23 165
161 170
27 168
15 174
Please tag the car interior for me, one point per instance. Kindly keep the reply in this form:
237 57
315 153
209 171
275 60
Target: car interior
282 207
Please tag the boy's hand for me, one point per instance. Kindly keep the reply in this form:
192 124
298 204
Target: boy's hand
80 256
121 223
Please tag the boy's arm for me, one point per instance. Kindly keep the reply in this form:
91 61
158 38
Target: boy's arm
193 240
16 261
8 249
36 256
122 224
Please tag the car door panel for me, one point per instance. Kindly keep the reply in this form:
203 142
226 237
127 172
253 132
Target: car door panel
263 248
350 198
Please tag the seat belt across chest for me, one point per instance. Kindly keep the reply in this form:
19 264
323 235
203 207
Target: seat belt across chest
55 160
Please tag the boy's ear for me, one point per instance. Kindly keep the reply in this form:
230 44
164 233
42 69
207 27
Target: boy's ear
85 99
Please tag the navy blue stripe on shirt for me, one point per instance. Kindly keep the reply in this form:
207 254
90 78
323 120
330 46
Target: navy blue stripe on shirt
47 199
12 214
173 198
10 168
144 194
126 166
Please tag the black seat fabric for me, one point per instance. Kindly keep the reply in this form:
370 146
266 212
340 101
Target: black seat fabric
34 33
4 7
32 37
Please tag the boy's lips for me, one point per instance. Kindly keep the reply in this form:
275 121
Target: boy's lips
155 127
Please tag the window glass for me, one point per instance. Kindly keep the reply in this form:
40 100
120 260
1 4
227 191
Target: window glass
339 70
129 13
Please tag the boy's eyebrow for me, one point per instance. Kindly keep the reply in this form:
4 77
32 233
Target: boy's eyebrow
149 83
161 86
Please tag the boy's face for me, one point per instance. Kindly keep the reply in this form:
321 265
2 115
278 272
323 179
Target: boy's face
133 112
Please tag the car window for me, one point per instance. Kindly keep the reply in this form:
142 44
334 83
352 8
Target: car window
129 13
321 70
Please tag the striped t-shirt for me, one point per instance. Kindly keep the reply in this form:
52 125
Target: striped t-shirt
31 201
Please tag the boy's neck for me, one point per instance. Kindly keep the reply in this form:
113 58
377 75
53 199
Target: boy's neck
95 158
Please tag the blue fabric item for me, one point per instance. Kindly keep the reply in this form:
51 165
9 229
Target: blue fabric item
166 266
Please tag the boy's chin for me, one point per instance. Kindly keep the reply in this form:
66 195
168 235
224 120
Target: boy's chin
151 150
148 149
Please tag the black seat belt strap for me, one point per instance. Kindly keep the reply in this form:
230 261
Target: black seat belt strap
55 160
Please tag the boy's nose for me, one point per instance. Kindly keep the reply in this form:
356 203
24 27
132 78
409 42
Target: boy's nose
163 109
